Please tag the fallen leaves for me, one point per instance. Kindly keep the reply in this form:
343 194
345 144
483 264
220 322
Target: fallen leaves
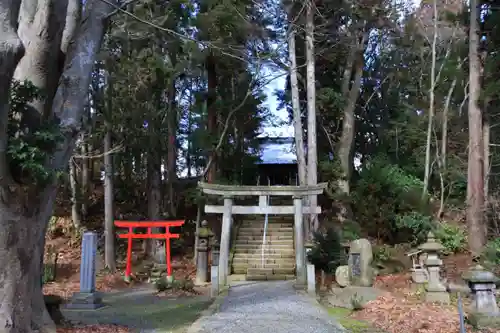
94 329
399 310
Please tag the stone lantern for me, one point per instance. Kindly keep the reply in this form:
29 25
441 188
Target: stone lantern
436 290
483 284
204 234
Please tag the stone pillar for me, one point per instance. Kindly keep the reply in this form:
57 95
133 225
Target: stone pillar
215 253
483 284
214 277
87 298
204 234
225 241
436 290
300 268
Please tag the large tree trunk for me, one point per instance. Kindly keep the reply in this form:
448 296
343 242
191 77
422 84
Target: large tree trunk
25 218
355 64
155 248
475 180
41 27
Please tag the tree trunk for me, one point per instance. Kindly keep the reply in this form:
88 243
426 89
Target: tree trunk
486 154
156 249
297 115
212 116
85 176
41 27
109 232
75 196
430 124
171 150
475 180
25 223
355 63
312 155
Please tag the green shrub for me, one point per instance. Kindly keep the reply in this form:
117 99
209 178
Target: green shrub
417 224
327 253
491 253
383 194
452 237
350 231
382 253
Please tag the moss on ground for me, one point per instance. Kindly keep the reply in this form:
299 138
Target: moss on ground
352 325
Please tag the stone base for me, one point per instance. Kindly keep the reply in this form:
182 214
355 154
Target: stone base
484 320
85 301
419 275
437 297
352 296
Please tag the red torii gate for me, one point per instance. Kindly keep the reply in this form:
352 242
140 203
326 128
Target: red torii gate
149 235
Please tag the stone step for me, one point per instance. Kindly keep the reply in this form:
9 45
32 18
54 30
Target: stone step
269 271
274 256
268 237
274 277
261 229
288 242
280 263
258 245
269 217
260 224
287 250
284 265
289 269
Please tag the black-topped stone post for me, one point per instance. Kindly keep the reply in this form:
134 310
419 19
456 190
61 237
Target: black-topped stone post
87 298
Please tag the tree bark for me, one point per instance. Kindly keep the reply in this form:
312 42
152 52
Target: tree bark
297 115
212 115
41 26
25 217
312 154
172 150
85 176
109 228
430 124
475 180
355 63
75 196
11 52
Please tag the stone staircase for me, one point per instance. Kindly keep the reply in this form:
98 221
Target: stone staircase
279 252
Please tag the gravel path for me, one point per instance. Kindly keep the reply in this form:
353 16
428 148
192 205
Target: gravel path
268 307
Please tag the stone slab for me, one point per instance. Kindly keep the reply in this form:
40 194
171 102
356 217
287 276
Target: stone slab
85 301
342 297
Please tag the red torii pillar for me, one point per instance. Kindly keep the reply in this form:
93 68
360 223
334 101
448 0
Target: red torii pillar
149 235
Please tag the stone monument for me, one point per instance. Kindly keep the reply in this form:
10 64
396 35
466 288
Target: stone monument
87 298
435 289
342 276
485 308
361 272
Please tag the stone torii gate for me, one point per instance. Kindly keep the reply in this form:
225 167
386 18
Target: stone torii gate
228 192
